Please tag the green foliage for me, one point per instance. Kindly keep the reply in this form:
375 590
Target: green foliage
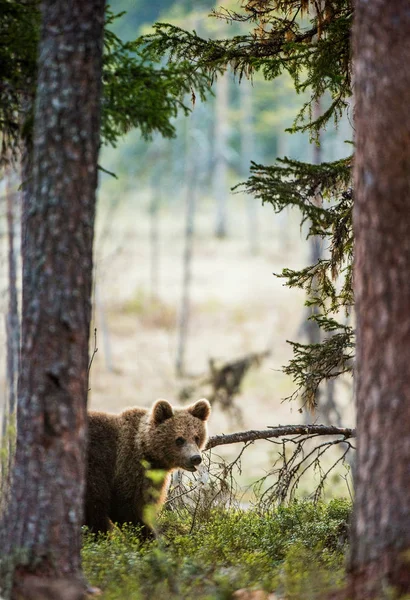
322 194
314 50
289 549
19 33
136 94
314 363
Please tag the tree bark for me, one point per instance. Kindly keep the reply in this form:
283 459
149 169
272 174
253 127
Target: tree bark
40 532
13 318
380 550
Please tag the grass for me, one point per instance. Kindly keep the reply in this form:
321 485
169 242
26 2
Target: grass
295 551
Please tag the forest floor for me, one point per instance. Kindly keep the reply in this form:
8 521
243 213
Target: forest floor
294 552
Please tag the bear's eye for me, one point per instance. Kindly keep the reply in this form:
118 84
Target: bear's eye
197 440
180 441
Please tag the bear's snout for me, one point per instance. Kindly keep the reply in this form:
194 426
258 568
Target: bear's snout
195 460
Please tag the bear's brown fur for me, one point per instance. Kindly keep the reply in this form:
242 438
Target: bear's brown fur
122 447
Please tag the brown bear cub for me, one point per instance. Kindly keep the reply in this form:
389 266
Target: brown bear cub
122 447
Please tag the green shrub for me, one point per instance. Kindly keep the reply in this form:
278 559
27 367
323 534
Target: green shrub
296 550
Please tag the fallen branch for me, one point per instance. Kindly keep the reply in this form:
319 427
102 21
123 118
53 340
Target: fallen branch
275 432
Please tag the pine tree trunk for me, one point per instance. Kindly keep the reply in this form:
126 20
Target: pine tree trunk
380 554
40 532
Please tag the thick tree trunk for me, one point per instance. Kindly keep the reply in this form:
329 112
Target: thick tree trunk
40 532
380 552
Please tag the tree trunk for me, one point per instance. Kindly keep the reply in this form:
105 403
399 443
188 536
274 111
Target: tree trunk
248 154
191 180
13 338
380 551
154 234
40 532
13 319
220 178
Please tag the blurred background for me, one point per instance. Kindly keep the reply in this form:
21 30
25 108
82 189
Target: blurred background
184 267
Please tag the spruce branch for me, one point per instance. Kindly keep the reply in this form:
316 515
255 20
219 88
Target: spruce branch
315 51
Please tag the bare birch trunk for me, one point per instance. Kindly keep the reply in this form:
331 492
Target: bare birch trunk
281 221
103 327
220 178
248 154
191 201
380 543
40 531
154 233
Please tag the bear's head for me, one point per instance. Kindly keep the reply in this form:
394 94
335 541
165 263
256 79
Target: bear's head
174 437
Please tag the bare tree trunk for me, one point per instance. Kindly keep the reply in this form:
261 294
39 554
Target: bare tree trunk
380 547
191 200
40 531
154 230
103 325
311 328
282 220
220 178
248 154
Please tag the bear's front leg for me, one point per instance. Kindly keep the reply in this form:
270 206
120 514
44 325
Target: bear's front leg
127 510
97 506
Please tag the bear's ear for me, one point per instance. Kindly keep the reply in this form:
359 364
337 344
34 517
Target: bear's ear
161 411
201 409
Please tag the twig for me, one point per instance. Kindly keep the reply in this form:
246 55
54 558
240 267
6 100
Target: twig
93 354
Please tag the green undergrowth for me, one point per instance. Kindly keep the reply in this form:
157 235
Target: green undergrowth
296 551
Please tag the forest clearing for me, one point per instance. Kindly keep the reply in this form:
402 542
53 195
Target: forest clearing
204 267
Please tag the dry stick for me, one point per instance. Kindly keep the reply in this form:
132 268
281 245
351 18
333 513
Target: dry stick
92 356
275 432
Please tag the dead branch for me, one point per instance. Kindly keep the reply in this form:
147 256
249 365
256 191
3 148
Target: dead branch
275 432
299 452
225 380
